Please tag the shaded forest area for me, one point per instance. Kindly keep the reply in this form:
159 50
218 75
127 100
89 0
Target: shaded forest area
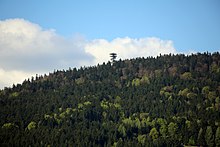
170 100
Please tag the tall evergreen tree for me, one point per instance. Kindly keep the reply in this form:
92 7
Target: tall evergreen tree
209 136
217 137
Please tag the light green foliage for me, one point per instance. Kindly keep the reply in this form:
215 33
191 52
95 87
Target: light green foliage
118 84
167 91
205 90
118 106
115 144
80 106
128 84
168 88
62 115
191 95
184 92
217 100
104 114
153 123
211 95
215 68
118 143
172 129
137 123
199 122
141 139
117 99
55 116
143 115
87 103
162 92
80 80
161 121
191 141
170 98
211 108
217 104
209 137
46 116
168 94
122 114
217 137
14 94
163 126
217 123
58 120
148 121
9 125
68 111
174 118
128 121
154 134
122 130
104 104
145 79
186 76
200 138
143 123
188 124
199 106
31 125
135 82
158 73
163 130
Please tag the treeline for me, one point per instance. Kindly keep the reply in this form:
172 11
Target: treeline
170 100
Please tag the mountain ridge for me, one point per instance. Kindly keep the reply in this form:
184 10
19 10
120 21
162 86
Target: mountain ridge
168 100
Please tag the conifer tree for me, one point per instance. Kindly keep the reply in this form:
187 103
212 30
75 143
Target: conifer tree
209 137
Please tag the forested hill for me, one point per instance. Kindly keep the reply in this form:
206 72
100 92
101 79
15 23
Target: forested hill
170 100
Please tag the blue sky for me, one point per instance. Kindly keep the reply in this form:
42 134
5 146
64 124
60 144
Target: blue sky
38 36
191 24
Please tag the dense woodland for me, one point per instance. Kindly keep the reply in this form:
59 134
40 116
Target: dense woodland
169 100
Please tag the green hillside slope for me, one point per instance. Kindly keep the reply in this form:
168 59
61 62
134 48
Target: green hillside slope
170 100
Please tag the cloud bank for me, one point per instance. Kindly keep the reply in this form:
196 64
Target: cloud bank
26 46
27 49
128 48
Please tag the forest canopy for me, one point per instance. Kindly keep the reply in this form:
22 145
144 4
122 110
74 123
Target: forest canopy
169 100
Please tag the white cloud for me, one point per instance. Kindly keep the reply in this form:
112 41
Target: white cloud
128 48
26 46
7 78
27 49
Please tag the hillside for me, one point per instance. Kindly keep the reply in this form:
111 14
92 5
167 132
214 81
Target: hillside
169 100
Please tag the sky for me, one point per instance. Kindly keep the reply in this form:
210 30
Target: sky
39 36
